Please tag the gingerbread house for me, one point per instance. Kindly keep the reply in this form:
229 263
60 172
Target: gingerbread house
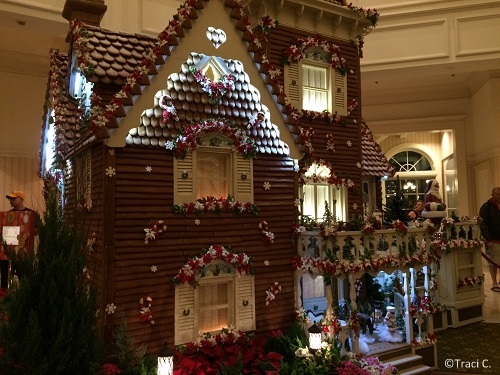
187 158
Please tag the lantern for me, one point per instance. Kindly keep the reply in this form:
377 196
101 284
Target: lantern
314 338
165 361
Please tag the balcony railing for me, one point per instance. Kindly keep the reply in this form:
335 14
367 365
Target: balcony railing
348 255
357 245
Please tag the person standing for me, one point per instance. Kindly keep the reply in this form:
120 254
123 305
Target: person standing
16 199
490 230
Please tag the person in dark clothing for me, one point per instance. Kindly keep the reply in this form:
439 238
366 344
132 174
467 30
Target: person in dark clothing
490 230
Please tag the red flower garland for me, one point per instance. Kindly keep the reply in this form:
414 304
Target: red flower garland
296 51
189 273
189 140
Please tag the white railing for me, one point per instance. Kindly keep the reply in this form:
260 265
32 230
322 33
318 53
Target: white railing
356 247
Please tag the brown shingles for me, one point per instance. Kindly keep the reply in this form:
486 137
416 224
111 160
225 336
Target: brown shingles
193 104
374 161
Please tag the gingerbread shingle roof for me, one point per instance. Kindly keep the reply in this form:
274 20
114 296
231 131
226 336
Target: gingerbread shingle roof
124 63
374 162
66 114
115 55
192 103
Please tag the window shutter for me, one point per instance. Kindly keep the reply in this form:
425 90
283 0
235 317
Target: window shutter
245 303
243 181
184 179
184 314
339 93
293 84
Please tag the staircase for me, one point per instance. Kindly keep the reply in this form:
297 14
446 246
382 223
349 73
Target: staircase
405 361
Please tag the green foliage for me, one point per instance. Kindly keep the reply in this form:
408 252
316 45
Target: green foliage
323 362
50 326
397 206
287 344
130 358
373 288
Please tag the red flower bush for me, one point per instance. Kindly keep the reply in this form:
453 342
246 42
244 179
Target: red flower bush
229 349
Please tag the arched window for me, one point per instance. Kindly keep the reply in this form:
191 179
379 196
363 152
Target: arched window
414 170
410 161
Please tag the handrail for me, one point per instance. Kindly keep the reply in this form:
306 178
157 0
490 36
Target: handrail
356 245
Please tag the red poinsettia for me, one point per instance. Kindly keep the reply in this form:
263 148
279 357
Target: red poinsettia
228 349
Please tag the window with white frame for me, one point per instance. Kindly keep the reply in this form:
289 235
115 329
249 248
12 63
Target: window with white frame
222 299
214 169
312 84
316 192
315 88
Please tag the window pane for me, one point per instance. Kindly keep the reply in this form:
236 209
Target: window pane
309 201
409 161
212 175
315 88
214 306
322 196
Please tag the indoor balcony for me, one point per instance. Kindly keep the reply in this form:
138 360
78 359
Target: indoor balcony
438 272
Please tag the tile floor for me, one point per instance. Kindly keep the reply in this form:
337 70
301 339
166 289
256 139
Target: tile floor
491 309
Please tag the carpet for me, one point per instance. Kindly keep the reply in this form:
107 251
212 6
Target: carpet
471 349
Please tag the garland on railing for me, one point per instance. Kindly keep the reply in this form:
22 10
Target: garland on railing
447 245
329 268
216 205
400 228
191 271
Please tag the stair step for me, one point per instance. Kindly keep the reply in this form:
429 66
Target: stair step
409 358
387 355
420 370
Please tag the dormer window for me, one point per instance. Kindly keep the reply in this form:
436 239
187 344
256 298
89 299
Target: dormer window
213 173
214 169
